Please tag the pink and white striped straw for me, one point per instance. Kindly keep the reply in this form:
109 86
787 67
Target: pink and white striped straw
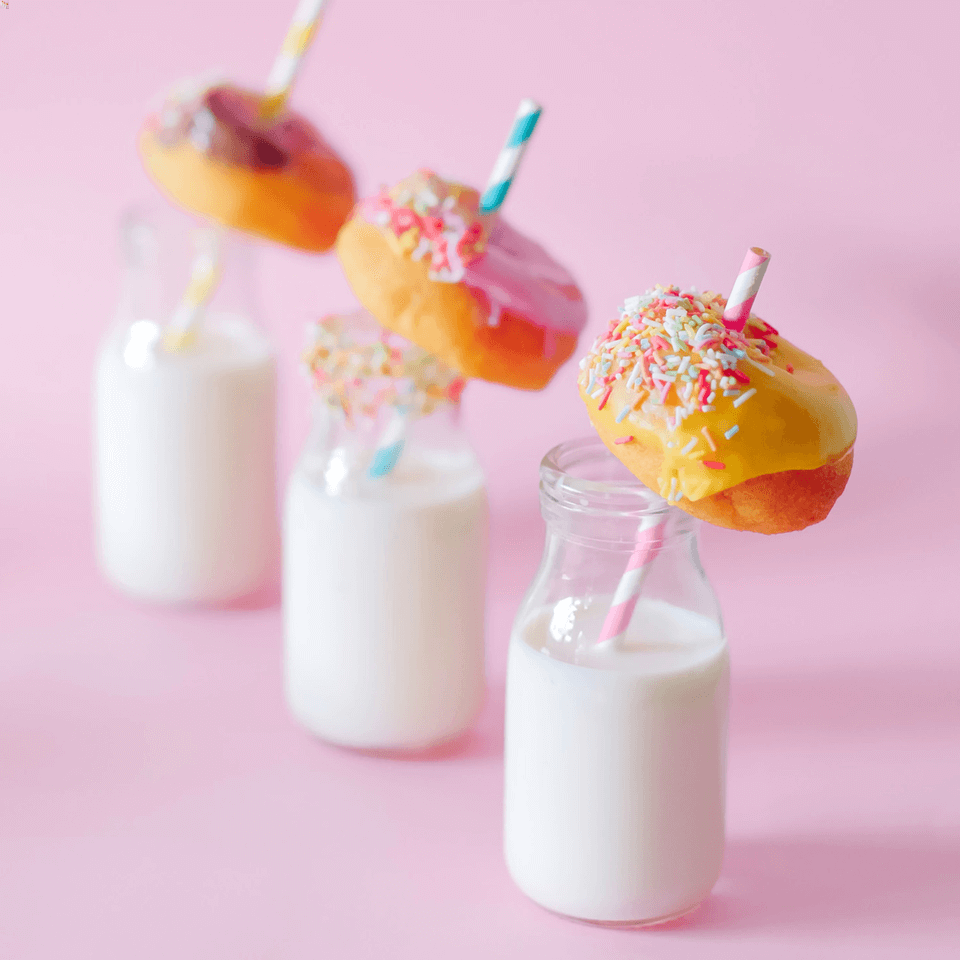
744 292
649 539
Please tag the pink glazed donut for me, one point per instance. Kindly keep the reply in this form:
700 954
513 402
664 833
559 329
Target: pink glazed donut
466 287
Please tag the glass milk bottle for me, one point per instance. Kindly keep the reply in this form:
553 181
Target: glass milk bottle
385 539
184 426
616 721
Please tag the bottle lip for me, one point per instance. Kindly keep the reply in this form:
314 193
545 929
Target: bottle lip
581 476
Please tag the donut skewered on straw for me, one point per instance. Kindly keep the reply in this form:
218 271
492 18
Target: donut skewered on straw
432 260
226 156
246 161
740 428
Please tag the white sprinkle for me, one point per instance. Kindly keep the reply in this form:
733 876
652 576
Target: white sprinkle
745 397
631 303
689 446
706 408
673 488
596 393
684 363
669 443
679 496
729 433
731 393
764 367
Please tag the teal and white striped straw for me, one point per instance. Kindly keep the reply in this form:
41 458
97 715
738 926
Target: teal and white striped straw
505 169
391 445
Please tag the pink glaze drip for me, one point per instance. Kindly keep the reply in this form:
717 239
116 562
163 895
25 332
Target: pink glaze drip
516 274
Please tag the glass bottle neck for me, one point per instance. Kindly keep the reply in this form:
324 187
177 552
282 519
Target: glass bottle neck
163 252
347 458
619 564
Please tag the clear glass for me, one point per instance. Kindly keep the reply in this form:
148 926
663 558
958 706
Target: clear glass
384 580
184 437
615 752
593 506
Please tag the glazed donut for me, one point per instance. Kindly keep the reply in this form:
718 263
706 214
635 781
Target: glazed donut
465 286
743 430
213 152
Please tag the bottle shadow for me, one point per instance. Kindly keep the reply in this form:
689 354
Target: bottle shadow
818 883
482 741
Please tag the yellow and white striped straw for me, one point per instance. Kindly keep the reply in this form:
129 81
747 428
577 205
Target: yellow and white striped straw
204 276
206 266
305 21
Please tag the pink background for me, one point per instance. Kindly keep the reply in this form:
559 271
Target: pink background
155 799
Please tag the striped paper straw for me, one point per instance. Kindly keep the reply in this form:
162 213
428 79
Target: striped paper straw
206 267
388 451
744 292
505 169
204 275
649 537
305 21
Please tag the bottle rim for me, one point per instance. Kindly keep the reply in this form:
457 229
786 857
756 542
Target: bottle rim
581 476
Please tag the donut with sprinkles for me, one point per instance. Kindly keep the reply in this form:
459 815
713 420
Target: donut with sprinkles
464 285
739 428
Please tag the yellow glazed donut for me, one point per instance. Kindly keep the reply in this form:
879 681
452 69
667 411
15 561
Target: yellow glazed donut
465 286
743 430
214 153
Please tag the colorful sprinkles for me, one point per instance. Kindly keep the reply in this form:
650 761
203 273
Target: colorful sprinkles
431 218
359 369
675 357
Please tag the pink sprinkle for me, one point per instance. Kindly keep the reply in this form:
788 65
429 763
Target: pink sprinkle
713 465
789 368
606 397
737 375
623 440
664 390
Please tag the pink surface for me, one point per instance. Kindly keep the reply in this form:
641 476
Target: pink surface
155 799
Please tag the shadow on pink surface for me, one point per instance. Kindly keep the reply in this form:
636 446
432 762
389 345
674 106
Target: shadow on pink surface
815 882
483 741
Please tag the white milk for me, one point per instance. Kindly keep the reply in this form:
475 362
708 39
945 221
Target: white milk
383 601
185 463
615 767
